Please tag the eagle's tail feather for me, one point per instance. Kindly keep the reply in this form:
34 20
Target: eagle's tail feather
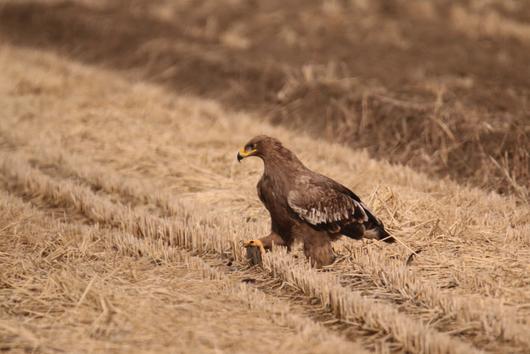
379 233
376 229
384 235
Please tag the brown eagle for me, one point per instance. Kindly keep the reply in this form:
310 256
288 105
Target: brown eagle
307 206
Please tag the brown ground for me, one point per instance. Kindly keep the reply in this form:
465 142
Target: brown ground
122 205
441 86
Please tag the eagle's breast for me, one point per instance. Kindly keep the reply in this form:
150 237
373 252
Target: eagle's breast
273 196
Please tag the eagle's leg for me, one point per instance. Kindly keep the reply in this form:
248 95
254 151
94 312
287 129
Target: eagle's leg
272 238
317 248
262 244
265 243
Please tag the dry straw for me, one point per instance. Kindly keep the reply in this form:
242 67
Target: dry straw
116 170
192 235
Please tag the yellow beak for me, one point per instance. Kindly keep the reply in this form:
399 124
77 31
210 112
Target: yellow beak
244 153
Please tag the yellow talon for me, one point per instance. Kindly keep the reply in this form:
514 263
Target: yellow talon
254 257
255 243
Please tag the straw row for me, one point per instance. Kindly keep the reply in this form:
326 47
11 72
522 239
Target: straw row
192 234
491 318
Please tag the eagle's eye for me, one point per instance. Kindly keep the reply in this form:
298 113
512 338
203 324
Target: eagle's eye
250 147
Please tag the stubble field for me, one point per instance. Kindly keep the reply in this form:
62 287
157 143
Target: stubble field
122 208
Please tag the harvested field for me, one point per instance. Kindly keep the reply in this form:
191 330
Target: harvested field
122 208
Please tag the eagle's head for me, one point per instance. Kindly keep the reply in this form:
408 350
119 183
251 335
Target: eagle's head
261 146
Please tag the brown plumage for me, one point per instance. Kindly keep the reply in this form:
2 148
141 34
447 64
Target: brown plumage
306 205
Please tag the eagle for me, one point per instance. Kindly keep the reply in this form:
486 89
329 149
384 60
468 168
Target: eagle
307 206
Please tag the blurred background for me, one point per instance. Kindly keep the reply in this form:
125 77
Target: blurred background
441 86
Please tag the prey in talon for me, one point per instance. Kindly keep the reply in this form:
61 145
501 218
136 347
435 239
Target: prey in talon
307 206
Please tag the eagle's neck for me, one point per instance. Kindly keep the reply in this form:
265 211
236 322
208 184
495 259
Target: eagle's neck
281 161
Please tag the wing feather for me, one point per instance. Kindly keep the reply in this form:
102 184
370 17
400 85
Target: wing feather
321 201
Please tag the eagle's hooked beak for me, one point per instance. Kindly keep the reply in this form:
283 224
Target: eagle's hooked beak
244 153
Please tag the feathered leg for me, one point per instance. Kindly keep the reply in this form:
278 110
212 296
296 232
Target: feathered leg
273 238
317 248
266 242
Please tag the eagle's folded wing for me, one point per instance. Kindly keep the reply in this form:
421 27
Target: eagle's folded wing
324 204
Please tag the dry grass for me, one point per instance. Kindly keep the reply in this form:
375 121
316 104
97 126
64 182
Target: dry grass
74 279
490 316
143 176
487 22
347 305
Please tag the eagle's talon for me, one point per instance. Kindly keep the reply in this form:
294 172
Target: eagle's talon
254 243
255 257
